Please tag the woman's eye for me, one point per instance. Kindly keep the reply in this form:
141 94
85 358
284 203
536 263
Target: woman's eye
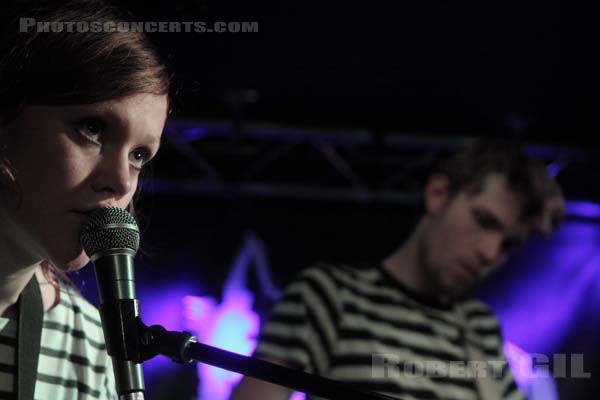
91 129
138 158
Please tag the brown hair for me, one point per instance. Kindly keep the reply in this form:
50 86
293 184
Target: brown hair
77 67
52 67
541 196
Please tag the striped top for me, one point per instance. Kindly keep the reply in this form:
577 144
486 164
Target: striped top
73 362
360 326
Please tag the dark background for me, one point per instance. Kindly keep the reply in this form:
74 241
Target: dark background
431 69
438 67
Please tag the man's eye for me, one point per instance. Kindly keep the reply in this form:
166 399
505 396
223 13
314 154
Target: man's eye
510 245
91 129
484 221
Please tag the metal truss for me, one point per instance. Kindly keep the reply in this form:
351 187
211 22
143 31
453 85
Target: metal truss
260 160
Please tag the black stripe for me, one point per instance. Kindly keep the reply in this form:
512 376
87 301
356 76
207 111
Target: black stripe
478 313
292 296
351 285
332 316
408 304
490 351
323 344
75 359
8 369
7 395
296 300
407 367
429 315
363 334
289 343
77 310
422 329
506 370
374 298
371 316
492 331
8 341
358 360
324 297
306 321
76 333
512 387
464 382
68 383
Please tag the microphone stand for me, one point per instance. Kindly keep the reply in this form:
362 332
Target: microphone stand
182 347
137 342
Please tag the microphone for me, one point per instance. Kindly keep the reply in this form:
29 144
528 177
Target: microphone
110 237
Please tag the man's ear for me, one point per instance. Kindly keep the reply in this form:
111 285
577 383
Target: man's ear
436 193
553 213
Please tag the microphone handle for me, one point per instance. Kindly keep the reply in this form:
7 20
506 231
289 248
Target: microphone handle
129 379
118 311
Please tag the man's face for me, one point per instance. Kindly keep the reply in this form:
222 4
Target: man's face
469 235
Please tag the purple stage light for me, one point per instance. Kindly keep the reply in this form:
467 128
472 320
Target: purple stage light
162 306
232 326
534 382
583 209
550 288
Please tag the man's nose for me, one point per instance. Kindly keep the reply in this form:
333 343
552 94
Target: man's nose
489 249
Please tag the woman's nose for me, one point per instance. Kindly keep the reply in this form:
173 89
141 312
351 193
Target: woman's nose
114 175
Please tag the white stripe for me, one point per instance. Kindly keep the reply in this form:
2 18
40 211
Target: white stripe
393 313
6 381
7 354
403 336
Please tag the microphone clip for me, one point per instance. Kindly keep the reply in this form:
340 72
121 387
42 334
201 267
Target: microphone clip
133 341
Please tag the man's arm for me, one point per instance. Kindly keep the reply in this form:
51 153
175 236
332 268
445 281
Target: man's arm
252 389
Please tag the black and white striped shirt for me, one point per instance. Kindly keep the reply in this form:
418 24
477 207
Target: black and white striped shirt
341 322
73 362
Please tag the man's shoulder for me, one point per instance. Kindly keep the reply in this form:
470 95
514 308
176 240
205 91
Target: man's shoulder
480 315
475 307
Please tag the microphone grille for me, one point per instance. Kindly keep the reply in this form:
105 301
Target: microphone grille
109 228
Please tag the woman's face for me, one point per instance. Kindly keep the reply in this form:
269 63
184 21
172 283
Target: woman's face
69 160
